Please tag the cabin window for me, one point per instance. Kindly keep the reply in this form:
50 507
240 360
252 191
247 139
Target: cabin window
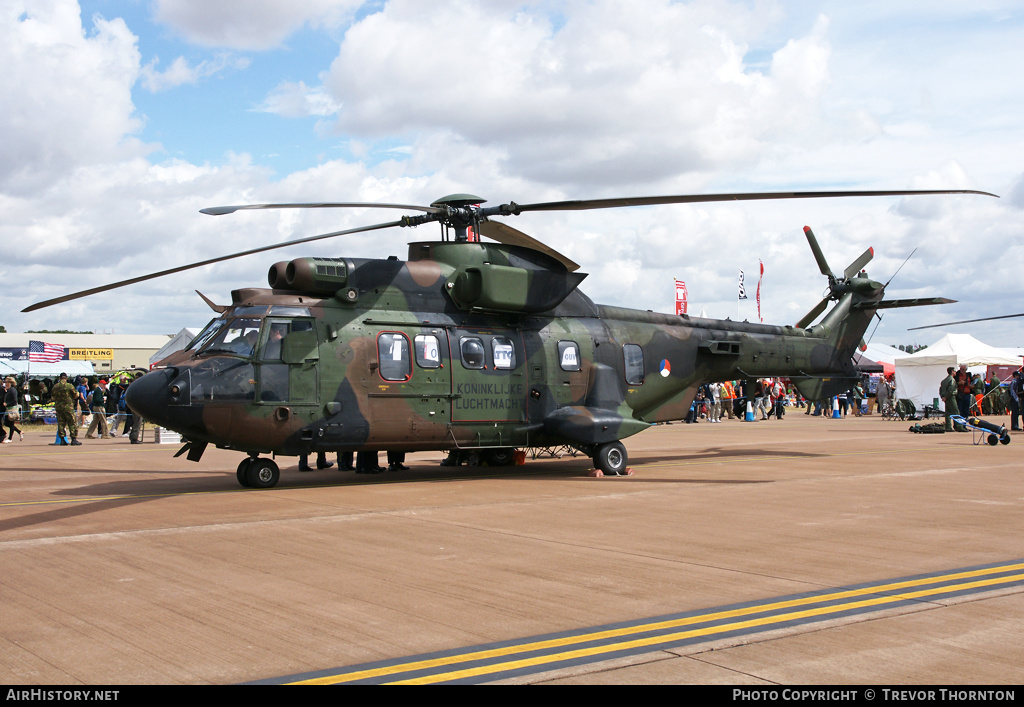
473 352
393 355
569 355
428 351
503 352
633 357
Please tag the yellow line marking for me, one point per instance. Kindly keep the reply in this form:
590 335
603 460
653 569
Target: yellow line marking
614 633
682 635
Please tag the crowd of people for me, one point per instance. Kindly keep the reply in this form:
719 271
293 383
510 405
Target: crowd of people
767 398
969 395
94 401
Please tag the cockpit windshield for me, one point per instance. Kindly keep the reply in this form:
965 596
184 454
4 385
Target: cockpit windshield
204 336
236 336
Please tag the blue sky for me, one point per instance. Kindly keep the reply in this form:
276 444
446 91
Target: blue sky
127 117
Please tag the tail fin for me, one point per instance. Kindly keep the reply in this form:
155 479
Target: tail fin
858 298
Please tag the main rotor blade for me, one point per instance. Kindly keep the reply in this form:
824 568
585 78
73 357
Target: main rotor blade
967 321
222 210
578 205
171 271
856 266
497 231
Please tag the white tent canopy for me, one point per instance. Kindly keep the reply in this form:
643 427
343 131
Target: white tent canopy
52 370
882 353
918 375
179 341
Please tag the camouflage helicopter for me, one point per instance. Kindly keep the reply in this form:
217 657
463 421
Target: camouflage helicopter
472 346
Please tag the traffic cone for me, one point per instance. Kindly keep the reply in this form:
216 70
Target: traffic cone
835 408
749 417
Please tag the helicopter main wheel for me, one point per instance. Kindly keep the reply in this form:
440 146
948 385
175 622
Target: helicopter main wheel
262 474
241 473
500 457
611 458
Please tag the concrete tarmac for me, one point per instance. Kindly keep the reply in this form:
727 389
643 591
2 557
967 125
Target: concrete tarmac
120 564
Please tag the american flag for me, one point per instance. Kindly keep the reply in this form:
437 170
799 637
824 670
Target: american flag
41 352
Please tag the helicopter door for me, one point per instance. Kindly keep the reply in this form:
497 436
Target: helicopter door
409 389
488 381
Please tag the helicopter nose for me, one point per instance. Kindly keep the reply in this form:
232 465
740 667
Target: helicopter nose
150 395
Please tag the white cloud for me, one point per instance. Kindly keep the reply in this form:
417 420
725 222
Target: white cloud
66 93
297 100
608 96
249 24
181 72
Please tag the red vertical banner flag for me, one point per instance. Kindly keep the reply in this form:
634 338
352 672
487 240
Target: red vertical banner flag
759 317
680 297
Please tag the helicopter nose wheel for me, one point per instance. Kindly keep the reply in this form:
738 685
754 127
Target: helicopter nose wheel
611 458
257 473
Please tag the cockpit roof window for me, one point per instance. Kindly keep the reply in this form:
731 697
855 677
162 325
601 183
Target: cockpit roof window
248 312
279 311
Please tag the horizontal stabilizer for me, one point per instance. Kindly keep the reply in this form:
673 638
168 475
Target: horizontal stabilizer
896 303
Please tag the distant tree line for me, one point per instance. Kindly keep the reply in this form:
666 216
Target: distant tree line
54 331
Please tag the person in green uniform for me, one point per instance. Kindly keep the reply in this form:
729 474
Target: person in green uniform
978 391
948 391
64 396
994 397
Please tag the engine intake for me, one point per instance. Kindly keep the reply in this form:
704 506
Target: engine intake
323 276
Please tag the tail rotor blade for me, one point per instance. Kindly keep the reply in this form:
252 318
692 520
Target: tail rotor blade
813 314
818 255
857 265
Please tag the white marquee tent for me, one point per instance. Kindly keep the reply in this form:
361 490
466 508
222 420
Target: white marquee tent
179 341
918 375
885 355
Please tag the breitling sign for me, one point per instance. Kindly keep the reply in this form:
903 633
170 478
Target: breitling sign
91 354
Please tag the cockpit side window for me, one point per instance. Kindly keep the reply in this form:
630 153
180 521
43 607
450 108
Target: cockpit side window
276 331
